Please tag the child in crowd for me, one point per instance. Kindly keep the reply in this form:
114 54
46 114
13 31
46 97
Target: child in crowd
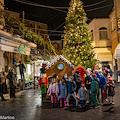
62 92
53 91
65 78
83 95
71 90
111 90
94 91
107 75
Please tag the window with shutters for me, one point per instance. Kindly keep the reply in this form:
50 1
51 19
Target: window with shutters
103 34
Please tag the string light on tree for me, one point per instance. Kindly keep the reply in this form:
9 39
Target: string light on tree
78 48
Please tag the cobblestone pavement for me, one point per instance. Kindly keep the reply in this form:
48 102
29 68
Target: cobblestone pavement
28 106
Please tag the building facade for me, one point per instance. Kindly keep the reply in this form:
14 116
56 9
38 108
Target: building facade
37 27
12 48
105 34
115 37
101 40
1 14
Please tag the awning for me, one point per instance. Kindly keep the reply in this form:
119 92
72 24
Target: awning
117 52
13 44
14 49
105 56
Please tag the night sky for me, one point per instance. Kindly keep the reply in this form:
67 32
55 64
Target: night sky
46 15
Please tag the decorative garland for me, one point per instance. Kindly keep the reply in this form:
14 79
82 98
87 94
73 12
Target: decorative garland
58 58
59 64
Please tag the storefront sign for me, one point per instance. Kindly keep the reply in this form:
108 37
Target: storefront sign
22 49
7 48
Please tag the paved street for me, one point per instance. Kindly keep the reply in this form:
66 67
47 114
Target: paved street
28 106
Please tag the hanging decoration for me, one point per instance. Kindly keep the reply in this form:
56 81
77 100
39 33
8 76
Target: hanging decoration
58 58
60 66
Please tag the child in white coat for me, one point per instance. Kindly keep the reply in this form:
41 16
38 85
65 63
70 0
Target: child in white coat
53 91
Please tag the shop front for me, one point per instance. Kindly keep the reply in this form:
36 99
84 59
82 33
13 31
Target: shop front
13 50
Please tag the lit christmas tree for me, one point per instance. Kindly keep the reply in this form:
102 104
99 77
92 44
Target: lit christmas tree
77 41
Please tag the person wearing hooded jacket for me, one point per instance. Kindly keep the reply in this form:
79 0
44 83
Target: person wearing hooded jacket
110 70
11 76
78 80
88 81
1 90
102 82
94 91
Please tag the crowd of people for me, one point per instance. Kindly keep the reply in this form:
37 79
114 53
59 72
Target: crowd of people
98 87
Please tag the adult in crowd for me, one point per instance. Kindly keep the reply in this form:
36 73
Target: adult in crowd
1 89
12 82
78 80
88 81
83 95
22 70
4 86
102 82
110 70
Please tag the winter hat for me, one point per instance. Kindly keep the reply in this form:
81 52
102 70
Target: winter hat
106 71
100 71
77 72
110 79
88 70
108 66
94 76
95 66
96 71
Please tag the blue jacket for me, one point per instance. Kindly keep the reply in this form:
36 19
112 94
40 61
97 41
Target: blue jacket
62 91
71 87
102 81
